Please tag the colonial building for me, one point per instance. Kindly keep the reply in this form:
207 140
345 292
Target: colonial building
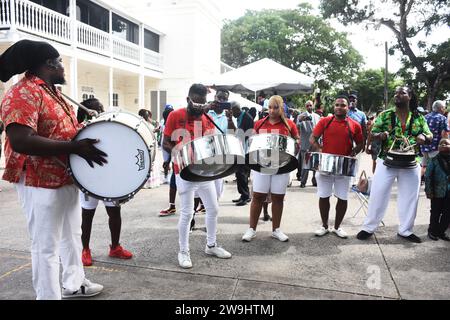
130 55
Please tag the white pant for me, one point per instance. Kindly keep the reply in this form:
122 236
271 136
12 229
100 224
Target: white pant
273 183
408 181
54 223
90 203
207 192
219 187
326 184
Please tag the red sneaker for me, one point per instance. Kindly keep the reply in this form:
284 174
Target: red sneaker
86 257
119 252
167 212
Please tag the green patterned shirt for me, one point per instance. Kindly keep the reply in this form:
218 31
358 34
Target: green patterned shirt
384 123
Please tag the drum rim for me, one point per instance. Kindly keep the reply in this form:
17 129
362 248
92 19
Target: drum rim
291 166
94 195
186 174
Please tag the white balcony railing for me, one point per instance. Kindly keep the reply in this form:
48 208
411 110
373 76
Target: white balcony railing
27 16
5 13
152 59
92 39
36 19
126 51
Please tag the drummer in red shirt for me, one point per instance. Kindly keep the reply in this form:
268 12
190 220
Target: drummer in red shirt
340 136
276 184
184 125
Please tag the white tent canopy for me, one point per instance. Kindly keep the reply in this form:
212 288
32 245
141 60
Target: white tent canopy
264 75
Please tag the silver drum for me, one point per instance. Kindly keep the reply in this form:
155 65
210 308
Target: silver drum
271 153
331 164
209 157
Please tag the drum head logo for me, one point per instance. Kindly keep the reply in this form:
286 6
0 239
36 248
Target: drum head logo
140 159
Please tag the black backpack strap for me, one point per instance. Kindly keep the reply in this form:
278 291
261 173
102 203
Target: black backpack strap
262 123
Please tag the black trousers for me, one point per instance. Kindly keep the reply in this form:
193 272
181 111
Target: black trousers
242 174
440 215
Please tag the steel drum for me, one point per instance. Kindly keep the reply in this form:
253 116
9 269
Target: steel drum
331 164
402 158
209 157
271 153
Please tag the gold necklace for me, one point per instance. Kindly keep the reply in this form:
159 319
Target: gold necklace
60 101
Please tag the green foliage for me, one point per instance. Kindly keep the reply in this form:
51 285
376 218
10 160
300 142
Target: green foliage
427 67
294 38
370 87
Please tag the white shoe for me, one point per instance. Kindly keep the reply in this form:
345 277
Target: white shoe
249 235
218 252
278 234
340 233
184 260
87 289
321 232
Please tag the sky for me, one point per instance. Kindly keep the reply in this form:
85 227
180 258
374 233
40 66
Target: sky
370 44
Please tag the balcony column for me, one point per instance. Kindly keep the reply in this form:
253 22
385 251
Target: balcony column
111 88
12 18
74 78
73 23
141 98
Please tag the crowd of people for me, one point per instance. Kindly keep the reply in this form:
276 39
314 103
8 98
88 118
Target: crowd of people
59 217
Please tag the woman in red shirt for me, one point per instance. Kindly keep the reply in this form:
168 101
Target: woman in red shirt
276 184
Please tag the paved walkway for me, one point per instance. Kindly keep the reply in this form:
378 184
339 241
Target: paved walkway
306 267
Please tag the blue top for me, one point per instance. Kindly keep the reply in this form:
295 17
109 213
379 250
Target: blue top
220 120
437 182
357 115
437 123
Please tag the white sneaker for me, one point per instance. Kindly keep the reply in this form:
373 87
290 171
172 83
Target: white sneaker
249 235
184 260
340 233
87 289
218 252
321 232
278 234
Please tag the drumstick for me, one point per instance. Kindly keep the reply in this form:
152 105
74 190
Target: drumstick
89 111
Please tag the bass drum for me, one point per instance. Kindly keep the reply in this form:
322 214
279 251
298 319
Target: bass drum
130 144
271 153
209 157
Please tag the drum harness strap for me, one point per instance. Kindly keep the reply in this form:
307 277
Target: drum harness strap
209 118
267 118
409 130
350 133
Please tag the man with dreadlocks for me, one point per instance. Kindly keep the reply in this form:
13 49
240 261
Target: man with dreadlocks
405 122
40 126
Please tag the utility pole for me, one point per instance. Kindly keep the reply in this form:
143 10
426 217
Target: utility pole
386 77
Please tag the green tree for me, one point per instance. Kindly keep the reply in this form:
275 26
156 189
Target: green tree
370 87
294 38
427 64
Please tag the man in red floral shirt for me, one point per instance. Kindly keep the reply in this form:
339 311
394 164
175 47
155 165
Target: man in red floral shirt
40 126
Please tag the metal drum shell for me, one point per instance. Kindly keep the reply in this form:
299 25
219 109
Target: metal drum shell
262 143
332 164
400 160
209 157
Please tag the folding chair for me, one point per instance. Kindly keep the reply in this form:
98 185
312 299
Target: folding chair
363 198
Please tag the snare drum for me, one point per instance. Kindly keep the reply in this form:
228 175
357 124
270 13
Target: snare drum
130 144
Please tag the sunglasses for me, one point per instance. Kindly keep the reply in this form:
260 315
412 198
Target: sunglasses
197 105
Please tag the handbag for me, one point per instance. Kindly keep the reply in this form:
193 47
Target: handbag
363 182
